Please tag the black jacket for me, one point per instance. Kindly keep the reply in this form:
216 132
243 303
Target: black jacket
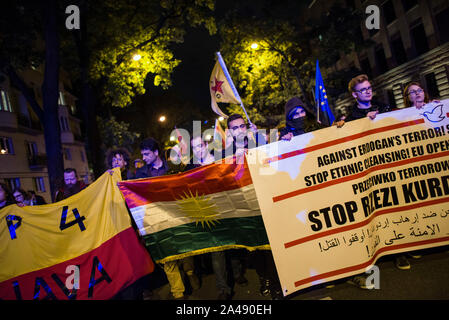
287 129
147 171
357 113
232 149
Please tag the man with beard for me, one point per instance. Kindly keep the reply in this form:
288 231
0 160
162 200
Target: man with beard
71 185
242 139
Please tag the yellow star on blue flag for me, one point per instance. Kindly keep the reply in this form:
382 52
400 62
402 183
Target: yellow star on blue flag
324 113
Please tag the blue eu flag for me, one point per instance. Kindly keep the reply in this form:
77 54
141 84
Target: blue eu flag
324 113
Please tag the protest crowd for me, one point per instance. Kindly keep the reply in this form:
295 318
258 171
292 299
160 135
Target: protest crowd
241 135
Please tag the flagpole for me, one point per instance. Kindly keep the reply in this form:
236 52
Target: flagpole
231 84
316 104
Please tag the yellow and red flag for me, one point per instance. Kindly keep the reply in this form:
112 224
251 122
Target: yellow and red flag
90 232
221 87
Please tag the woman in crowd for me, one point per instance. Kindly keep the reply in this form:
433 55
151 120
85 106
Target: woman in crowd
120 158
415 96
21 197
5 196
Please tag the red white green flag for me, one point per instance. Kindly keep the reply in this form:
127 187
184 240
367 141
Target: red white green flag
207 209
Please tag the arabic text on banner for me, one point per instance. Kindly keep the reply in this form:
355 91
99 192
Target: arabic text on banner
335 200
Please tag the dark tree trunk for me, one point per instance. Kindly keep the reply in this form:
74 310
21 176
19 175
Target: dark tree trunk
50 92
88 103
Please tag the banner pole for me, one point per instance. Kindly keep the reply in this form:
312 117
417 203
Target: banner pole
234 90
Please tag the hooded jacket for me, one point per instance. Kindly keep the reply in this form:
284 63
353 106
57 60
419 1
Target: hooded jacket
294 126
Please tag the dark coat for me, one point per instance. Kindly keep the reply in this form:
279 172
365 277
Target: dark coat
147 171
357 113
232 149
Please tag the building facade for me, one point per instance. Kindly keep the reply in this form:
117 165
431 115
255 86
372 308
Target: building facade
23 160
412 44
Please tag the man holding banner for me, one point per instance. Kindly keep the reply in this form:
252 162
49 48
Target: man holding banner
360 88
156 167
242 138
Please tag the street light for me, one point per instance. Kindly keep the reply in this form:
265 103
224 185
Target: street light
137 57
254 46
162 119
220 119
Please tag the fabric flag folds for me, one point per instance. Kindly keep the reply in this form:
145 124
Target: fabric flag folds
83 247
221 87
211 208
324 113
219 136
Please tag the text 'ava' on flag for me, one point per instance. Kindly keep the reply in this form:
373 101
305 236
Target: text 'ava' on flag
324 113
221 87
211 208
337 199
90 232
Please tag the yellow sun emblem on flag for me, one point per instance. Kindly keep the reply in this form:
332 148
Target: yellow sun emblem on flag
199 208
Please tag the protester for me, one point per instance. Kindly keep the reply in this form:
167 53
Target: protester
202 157
364 106
415 96
71 185
120 158
21 197
36 200
5 196
241 138
295 116
156 166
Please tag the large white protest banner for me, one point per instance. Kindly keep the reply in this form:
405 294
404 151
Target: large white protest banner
335 200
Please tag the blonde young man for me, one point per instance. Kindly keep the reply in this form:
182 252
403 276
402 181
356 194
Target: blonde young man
361 89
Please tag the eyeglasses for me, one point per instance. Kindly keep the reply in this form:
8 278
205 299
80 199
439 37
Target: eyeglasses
240 126
364 90
198 146
415 92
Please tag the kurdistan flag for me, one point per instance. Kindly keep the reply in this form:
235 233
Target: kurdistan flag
211 208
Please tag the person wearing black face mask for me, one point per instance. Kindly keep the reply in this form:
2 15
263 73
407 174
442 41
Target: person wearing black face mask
295 114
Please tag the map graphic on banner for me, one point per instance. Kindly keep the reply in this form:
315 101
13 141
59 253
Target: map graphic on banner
211 208
335 200
87 236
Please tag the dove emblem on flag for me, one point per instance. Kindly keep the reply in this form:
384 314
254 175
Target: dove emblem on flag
436 115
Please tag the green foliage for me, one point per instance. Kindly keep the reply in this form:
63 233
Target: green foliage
116 134
264 76
283 64
145 28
